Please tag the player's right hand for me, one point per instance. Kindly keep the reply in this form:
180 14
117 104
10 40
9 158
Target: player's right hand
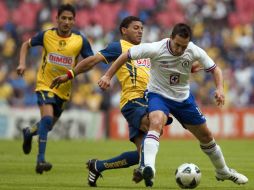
21 70
104 82
59 80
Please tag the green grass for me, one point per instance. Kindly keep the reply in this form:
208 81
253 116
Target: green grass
68 158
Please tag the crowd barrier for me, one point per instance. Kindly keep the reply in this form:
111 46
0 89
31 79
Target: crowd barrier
224 123
77 124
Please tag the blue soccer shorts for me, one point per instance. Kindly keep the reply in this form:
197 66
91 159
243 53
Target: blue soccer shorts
133 111
186 112
46 97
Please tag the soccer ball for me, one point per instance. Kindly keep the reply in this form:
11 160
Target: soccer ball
188 175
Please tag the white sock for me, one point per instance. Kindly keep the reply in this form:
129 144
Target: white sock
151 147
215 154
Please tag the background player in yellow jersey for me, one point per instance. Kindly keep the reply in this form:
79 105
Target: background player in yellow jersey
133 77
61 48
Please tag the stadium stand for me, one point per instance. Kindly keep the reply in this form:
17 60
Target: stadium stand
224 28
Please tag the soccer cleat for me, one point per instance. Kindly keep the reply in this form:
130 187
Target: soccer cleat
93 174
233 176
148 176
43 166
27 141
137 175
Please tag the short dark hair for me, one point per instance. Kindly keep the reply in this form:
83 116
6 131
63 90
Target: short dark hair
182 30
126 22
66 7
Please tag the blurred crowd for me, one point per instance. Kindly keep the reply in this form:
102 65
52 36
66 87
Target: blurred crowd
224 28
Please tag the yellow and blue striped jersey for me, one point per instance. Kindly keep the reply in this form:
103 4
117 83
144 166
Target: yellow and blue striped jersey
59 55
133 75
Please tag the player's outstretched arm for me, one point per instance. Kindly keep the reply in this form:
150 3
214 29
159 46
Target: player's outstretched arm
104 82
22 59
83 66
219 93
87 63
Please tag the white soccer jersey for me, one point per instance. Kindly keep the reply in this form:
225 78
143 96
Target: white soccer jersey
169 75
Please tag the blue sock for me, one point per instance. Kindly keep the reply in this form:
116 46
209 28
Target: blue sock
124 160
45 126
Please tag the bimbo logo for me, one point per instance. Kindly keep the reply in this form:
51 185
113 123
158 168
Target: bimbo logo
59 59
143 62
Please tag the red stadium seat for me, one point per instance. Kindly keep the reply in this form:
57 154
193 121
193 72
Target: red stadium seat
4 13
83 18
25 15
106 15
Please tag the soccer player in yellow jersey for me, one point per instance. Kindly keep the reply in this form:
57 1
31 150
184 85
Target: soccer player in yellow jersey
61 49
133 77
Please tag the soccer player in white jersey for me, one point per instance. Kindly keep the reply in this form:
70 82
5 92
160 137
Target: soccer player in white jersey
169 92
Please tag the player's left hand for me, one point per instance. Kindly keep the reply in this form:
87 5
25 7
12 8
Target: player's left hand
59 80
219 97
104 82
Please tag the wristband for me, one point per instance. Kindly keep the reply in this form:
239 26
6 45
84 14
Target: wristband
70 74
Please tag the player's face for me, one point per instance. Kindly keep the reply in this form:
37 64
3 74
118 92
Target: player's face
178 45
65 22
134 32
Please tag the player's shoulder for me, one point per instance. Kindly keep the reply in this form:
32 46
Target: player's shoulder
161 43
158 45
49 30
192 47
42 32
76 32
77 35
114 45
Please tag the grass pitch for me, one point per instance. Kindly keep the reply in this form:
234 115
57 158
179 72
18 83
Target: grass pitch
17 171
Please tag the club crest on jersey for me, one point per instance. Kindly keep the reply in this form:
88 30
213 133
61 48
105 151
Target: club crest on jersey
143 62
174 79
61 44
60 59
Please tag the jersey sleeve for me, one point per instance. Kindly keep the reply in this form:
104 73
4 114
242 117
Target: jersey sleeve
37 40
86 50
111 52
204 59
142 51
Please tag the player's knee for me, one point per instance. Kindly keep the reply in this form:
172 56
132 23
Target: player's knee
48 121
156 124
206 138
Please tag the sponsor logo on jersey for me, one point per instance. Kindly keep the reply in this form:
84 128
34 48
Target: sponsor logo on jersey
186 63
143 62
60 59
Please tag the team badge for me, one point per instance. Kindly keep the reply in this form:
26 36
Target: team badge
174 78
61 44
